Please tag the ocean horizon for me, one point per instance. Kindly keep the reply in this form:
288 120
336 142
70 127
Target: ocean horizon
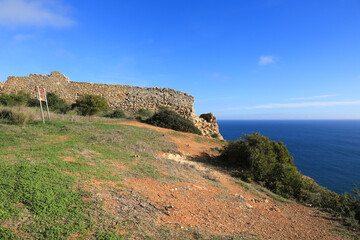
326 150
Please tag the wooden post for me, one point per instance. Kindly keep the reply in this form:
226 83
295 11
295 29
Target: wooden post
42 112
47 107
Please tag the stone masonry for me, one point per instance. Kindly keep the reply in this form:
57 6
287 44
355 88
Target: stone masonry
127 98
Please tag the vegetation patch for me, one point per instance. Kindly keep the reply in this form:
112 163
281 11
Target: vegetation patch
16 116
57 104
144 114
44 168
89 104
116 114
270 164
56 210
14 99
170 119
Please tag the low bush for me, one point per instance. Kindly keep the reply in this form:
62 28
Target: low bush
215 135
14 99
145 113
266 162
116 114
170 119
269 163
57 104
89 104
33 102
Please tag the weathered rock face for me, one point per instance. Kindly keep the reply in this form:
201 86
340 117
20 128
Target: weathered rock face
209 117
128 98
208 125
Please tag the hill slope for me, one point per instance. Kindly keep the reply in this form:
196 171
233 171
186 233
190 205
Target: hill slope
134 181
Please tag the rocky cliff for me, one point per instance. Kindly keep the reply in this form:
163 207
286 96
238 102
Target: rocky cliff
127 98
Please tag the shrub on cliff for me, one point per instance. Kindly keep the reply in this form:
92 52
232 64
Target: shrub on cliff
90 104
266 162
170 119
270 164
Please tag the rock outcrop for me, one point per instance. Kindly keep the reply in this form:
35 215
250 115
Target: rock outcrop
125 97
208 125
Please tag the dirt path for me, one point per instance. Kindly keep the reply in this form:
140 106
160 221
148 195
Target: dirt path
222 206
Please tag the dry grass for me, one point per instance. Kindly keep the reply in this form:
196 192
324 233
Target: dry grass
33 113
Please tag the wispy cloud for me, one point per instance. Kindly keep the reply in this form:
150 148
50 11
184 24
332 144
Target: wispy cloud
15 13
266 60
303 104
217 76
22 37
313 97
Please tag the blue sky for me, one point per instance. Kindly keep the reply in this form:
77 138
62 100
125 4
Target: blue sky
264 59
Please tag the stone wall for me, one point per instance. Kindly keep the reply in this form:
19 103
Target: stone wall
125 97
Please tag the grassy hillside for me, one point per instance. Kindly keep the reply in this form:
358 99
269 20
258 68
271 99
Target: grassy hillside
88 178
52 174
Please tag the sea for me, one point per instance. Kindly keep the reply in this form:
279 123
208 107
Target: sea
326 150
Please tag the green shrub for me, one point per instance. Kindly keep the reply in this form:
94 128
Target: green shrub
57 104
116 114
32 102
146 113
266 162
214 135
90 104
14 99
170 119
270 164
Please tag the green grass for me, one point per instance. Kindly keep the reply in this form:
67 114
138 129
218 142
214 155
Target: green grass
51 173
177 134
262 192
273 195
199 139
346 233
56 209
41 190
250 188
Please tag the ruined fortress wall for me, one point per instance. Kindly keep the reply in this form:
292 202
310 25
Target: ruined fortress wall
131 99
127 98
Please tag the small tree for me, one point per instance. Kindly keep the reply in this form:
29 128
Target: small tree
89 104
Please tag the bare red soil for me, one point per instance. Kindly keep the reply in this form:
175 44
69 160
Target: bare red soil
223 206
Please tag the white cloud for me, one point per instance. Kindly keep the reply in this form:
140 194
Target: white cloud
314 97
265 60
303 104
15 13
